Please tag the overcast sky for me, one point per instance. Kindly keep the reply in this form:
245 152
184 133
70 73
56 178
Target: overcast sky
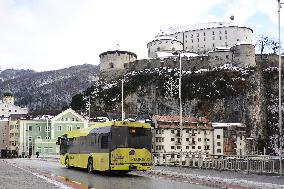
53 34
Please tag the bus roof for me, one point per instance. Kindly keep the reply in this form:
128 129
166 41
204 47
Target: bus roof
86 131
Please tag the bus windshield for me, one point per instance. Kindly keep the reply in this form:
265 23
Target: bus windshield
131 137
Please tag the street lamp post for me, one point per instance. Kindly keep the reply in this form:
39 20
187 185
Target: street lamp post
180 103
122 99
280 90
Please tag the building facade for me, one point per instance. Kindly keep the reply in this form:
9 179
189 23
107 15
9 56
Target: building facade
229 139
7 106
4 133
201 38
116 60
40 135
195 137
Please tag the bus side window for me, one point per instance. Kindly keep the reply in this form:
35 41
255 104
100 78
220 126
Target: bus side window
104 142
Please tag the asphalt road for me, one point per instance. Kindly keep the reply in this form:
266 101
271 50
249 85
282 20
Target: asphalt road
102 181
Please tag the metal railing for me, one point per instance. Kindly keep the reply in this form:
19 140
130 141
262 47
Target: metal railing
249 164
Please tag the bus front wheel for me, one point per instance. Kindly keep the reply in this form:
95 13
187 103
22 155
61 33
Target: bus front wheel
90 166
67 162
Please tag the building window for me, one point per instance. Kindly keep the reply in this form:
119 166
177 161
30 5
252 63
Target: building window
213 37
220 37
187 139
225 31
110 65
227 56
47 137
172 139
30 128
158 48
172 147
193 147
203 33
173 49
199 139
59 127
178 147
199 147
204 39
226 45
218 150
38 128
226 37
69 127
197 34
218 136
30 138
191 35
197 39
38 137
213 33
213 45
78 127
47 128
173 131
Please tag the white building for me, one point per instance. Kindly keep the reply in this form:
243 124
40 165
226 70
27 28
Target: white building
201 38
196 136
229 139
7 106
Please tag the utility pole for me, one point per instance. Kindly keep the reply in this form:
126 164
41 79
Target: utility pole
122 99
280 93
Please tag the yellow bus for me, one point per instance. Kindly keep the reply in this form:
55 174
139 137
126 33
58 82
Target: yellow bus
109 146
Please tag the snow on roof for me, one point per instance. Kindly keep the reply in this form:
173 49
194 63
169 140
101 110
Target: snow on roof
188 54
243 43
227 124
165 38
201 26
163 54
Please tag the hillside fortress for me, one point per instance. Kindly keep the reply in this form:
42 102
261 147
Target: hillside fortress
202 45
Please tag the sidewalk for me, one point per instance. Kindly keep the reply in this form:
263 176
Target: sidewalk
13 177
238 178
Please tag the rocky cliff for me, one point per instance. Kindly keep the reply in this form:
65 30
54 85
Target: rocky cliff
222 94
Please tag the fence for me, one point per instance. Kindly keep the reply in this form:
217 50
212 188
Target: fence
250 164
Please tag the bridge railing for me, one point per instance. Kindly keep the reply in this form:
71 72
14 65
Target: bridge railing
250 164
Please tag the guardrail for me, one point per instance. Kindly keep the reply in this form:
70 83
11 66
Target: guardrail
249 164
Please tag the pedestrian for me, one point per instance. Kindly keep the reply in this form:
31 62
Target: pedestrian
37 154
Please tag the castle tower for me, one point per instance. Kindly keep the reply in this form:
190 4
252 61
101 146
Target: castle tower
116 60
8 97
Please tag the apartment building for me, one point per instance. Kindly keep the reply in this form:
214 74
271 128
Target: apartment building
195 137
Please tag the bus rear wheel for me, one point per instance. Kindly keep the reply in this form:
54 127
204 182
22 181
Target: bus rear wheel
90 166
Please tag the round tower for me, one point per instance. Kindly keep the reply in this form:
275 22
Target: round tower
163 44
8 97
117 59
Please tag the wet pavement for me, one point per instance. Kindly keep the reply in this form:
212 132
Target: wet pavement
13 177
81 179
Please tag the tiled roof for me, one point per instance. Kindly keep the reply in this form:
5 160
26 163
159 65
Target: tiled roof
176 118
206 127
